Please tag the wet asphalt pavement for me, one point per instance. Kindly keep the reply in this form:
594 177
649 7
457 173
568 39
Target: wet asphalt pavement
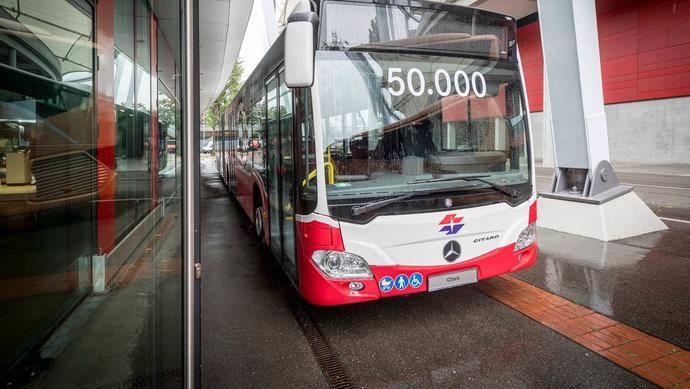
451 338
459 338
641 281
249 337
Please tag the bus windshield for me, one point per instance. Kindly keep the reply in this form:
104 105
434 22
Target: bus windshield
420 100
397 121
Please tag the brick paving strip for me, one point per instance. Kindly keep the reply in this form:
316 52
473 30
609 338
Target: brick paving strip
651 358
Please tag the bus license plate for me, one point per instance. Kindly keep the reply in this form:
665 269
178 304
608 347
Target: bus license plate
451 280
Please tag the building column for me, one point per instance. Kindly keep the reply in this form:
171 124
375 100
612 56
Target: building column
585 197
107 133
547 134
154 136
191 114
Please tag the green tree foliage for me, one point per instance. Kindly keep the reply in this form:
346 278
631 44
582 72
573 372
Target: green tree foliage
215 111
167 111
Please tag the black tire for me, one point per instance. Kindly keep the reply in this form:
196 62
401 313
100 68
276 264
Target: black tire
259 223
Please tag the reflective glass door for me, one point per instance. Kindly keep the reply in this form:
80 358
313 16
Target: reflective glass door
281 191
273 165
287 177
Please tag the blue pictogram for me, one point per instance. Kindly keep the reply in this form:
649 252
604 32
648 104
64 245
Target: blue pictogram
386 284
401 282
416 280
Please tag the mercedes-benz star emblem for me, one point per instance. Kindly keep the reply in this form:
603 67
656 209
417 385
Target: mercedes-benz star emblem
451 251
448 202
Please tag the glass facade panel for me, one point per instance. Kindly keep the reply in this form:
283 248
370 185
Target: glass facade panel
91 193
48 168
169 163
133 118
140 168
124 116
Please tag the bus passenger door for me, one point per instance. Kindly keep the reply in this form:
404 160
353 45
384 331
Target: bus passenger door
287 176
280 171
273 168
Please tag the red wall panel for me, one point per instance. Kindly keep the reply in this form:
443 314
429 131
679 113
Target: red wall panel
529 43
644 45
105 87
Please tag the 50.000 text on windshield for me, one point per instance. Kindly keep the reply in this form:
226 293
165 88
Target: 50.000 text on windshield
476 83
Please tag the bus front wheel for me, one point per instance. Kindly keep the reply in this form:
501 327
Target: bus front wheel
259 222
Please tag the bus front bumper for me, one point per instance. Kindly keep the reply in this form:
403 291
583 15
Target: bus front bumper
318 289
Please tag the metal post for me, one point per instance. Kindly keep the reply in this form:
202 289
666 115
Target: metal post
571 55
547 131
191 194
584 186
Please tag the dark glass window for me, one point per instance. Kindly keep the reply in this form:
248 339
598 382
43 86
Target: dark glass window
48 169
133 118
259 135
383 27
306 167
90 194
244 144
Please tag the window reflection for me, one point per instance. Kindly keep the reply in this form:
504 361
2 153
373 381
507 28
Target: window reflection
48 167
133 113
90 210
170 164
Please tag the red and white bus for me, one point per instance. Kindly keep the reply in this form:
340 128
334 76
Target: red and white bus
382 148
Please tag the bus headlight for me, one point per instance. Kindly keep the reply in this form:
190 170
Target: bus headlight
527 237
337 264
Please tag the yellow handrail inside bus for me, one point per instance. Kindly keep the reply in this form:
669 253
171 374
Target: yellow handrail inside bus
330 170
330 166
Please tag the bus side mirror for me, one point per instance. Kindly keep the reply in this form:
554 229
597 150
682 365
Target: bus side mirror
299 50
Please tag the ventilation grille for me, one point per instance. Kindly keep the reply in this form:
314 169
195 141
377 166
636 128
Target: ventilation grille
68 176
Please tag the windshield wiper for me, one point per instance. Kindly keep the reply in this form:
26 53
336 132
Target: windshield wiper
360 209
510 192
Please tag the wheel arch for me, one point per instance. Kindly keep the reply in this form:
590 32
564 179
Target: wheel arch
260 199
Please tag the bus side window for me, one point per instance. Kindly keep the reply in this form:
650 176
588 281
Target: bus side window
244 140
256 114
238 136
306 153
258 135
285 117
251 130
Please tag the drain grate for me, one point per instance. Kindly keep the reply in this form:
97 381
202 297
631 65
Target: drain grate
331 365
333 369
